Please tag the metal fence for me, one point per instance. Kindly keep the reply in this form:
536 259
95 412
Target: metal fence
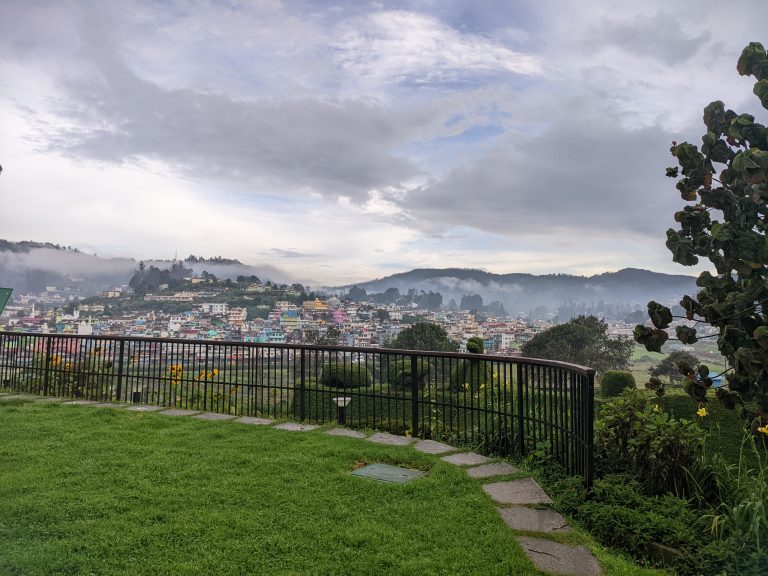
496 404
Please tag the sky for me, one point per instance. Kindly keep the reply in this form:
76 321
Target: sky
345 141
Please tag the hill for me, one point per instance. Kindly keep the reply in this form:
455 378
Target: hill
623 291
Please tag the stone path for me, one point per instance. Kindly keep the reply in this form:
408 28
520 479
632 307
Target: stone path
522 503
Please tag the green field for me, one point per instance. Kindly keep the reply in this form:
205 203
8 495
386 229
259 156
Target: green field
103 491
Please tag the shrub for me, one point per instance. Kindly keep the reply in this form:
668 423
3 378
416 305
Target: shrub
615 381
399 372
343 375
620 516
633 436
475 345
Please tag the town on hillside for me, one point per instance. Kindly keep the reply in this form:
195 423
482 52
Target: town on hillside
172 304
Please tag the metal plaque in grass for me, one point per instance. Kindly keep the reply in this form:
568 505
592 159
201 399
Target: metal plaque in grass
387 473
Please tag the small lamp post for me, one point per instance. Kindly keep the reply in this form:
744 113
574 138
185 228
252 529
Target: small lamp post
341 408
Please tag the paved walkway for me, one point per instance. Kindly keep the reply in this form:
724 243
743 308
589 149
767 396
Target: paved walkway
521 502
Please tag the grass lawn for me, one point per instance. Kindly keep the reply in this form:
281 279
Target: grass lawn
102 491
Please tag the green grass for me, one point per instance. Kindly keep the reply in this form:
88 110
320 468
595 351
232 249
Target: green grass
110 492
100 491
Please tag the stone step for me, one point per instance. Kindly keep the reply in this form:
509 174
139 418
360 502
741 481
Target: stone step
525 491
558 558
494 469
465 459
522 518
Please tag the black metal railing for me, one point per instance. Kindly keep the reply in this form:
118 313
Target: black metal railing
497 404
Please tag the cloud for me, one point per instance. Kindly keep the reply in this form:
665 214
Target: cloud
660 36
578 176
401 46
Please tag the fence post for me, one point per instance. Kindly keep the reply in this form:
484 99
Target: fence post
46 377
414 397
590 439
302 384
120 371
520 411
205 381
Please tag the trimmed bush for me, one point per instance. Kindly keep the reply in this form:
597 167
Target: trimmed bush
616 381
475 345
399 373
342 375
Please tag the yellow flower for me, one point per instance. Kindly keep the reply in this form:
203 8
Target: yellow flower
656 408
763 429
215 371
702 412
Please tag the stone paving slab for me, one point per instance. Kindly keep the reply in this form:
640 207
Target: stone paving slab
432 447
296 427
177 412
494 469
522 518
145 408
80 402
345 432
256 421
525 491
108 405
390 439
465 459
16 397
214 416
49 399
557 558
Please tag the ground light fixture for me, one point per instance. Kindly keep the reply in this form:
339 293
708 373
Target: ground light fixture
341 407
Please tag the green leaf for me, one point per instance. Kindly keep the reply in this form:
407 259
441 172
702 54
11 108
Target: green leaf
686 335
761 91
660 315
652 338
751 59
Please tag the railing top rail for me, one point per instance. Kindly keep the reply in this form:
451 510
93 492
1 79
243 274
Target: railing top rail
297 346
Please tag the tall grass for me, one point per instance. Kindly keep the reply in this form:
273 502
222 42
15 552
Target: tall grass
737 494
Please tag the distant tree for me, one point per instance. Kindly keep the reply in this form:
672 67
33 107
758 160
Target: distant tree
424 336
669 367
391 295
636 317
471 302
583 341
382 314
357 294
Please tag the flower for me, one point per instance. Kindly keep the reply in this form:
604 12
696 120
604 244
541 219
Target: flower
763 429
701 412
215 371
656 408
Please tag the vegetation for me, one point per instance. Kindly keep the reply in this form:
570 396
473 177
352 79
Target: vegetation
582 341
669 367
424 336
400 372
146 494
616 381
345 375
727 178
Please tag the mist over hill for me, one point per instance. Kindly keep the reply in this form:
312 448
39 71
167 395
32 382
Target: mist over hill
625 290
32 266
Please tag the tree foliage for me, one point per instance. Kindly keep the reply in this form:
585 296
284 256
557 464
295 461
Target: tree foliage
583 341
726 180
674 366
424 336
